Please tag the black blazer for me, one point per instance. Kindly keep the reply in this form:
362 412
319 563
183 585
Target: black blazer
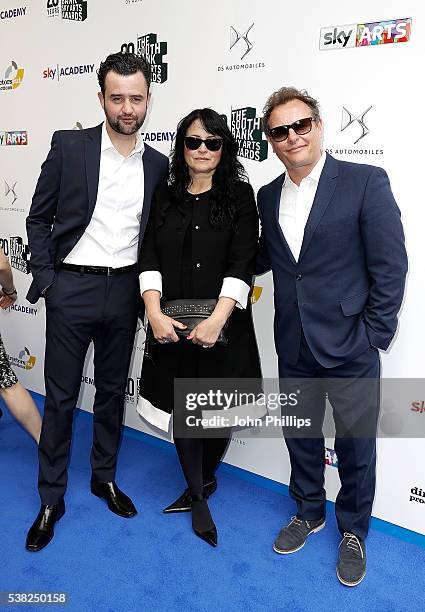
216 253
65 198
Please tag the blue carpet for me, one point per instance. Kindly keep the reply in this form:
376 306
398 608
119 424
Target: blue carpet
155 562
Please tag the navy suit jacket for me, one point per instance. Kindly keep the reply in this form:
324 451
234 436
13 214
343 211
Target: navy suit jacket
65 198
347 286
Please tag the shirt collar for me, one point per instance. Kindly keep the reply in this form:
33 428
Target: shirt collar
314 174
107 143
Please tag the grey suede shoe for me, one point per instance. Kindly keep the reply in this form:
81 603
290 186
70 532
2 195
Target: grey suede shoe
292 537
351 566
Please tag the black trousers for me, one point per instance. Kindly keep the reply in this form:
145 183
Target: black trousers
81 308
353 392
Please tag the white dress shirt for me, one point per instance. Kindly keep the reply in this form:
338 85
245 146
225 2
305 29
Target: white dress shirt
112 236
295 206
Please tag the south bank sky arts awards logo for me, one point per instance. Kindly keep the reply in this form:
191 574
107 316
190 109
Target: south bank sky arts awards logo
354 35
13 77
71 10
18 253
246 128
13 13
242 43
153 50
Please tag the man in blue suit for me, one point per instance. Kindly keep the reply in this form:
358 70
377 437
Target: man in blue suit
333 238
85 229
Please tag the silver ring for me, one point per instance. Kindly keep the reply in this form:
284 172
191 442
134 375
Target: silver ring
205 346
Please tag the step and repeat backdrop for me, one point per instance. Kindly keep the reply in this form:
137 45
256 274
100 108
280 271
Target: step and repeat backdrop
364 63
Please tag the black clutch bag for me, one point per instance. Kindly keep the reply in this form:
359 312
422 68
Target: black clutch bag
191 313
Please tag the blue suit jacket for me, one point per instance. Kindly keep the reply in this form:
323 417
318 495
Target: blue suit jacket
346 289
65 198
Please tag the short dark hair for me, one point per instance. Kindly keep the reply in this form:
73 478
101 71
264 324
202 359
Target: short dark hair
287 94
124 64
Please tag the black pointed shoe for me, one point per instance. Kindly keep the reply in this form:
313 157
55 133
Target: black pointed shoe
208 535
184 502
118 502
43 528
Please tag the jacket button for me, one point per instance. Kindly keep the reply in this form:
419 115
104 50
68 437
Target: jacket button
196 226
198 265
299 276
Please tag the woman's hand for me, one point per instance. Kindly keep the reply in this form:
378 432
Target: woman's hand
7 300
163 328
206 333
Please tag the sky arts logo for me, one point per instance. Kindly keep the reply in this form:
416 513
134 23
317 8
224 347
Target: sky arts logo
59 72
330 457
8 139
12 13
365 34
25 360
73 10
153 51
12 77
246 128
418 407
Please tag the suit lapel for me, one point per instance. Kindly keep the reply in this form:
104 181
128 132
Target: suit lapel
277 195
149 181
92 146
324 193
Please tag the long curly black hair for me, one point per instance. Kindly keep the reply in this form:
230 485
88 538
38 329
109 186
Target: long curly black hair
228 172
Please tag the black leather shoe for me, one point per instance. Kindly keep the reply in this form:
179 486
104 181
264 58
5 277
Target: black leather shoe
208 535
43 528
184 502
117 501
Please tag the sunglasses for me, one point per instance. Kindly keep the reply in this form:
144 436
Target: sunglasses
300 127
193 143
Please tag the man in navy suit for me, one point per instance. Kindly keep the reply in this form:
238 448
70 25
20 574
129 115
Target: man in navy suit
332 235
85 228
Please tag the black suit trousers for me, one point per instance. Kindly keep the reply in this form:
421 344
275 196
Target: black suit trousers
81 308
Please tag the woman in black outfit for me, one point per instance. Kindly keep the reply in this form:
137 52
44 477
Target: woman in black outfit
201 242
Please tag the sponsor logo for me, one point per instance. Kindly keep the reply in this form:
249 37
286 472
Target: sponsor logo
153 51
256 294
25 310
13 77
236 37
12 13
78 126
365 34
132 390
72 10
18 253
25 360
57 72
418 407
10 197
417 495
246 128
158 136
241 42
330 457
132 1
349 118
13 138
354 125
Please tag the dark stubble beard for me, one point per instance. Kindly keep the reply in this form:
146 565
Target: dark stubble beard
121 128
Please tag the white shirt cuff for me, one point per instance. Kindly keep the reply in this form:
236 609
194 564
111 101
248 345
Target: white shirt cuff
151 279
236 289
